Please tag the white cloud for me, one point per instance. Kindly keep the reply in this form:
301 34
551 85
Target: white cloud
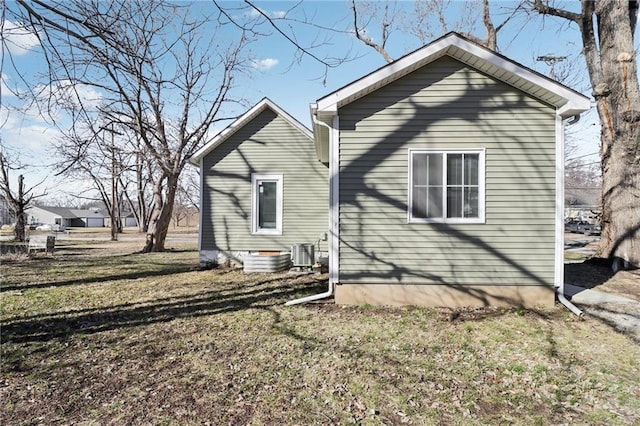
18 40
64 94
264 64
4 89
276 14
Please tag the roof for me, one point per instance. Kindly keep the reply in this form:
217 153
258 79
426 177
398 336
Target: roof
242 121
67 213
59 211
568 101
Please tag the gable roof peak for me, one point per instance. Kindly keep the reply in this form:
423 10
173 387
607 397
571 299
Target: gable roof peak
241 121
568 101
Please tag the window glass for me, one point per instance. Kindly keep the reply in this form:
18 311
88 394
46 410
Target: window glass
434 169
454 202
454 169
267 207
427 185
471 169
445 185
471 203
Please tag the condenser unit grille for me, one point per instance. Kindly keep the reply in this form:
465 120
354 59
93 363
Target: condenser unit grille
302 254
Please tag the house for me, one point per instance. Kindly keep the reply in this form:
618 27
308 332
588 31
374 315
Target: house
127 219
262 187
446 180
65 217
7 216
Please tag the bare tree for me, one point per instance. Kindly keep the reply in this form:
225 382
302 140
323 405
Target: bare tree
19 200
427 21
583 183
607 28
164 70
188 197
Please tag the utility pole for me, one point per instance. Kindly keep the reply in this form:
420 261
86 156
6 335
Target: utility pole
551 60
114 211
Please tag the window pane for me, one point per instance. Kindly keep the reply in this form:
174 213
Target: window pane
267 198
419 208
427 185
471 169
434 169
454 202
454 169
419 169
471 202
434 203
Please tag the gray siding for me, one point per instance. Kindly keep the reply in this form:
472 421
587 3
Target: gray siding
447 105
267 144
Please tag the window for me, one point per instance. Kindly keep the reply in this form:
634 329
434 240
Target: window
266 209
446 186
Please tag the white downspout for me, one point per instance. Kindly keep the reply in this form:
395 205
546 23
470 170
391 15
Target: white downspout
330 288
559 273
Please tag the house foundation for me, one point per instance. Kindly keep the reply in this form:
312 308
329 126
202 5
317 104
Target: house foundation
452 296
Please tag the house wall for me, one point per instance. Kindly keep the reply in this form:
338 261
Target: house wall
267 144
38 215
446 105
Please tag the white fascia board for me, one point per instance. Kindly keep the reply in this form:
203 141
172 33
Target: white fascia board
242 121
574 107
559 207
572 97
575 101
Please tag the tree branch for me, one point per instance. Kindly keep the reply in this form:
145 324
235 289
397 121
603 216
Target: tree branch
367 40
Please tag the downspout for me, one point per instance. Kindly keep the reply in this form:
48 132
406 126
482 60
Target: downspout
560 200
330 288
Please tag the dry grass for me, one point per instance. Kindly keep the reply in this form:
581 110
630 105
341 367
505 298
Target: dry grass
101 335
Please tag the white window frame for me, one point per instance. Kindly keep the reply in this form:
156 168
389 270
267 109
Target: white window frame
445 219
255 180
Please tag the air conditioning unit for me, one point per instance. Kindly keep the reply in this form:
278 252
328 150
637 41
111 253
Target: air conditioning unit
302 255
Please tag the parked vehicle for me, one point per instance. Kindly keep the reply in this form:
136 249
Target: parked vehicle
591 229
573 225
44 227
34 225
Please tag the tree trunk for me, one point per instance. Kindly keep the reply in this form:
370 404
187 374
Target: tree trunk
161 216
19 207
618 102
19 230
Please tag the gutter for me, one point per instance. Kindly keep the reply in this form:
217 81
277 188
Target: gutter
562 299
330 287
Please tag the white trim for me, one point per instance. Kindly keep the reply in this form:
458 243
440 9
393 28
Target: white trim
242 121
559 222
481 185
452 45
334 202
268 177
201 164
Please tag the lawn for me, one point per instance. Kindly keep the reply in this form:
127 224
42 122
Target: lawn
97 334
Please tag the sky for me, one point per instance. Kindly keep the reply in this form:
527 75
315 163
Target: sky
292 82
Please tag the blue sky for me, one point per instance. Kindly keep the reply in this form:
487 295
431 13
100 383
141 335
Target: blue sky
292 83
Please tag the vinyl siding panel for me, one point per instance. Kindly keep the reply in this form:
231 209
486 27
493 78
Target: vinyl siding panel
268 145
447 105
